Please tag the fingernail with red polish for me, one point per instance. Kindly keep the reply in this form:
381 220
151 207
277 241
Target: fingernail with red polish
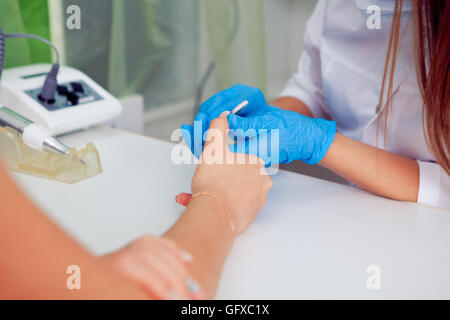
183 198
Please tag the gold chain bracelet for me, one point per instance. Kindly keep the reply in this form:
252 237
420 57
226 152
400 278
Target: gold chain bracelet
214 197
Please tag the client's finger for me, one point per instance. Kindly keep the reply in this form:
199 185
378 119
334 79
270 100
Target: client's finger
218 130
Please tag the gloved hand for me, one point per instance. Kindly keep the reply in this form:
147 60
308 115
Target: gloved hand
212 108
300 137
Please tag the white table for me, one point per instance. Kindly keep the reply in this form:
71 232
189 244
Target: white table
314 239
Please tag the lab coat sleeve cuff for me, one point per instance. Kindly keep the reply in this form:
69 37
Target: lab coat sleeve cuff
307 99
429 183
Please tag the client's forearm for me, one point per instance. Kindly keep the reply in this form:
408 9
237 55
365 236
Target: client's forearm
35 255
204 231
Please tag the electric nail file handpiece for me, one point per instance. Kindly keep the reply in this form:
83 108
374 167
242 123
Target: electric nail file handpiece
33 135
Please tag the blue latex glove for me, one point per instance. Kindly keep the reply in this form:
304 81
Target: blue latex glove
226 100
300 137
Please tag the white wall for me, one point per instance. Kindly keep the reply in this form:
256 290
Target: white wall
285 27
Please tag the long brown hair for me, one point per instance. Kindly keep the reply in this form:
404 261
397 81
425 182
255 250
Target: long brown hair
431 27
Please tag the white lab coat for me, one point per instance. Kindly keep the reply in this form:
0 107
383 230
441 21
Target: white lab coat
339 77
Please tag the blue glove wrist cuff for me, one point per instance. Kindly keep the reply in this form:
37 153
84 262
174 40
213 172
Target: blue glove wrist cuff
320 146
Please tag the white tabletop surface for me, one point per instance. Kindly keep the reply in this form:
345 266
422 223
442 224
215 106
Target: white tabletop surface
314 239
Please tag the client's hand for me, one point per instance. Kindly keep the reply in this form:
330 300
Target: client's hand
156 265
239 181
